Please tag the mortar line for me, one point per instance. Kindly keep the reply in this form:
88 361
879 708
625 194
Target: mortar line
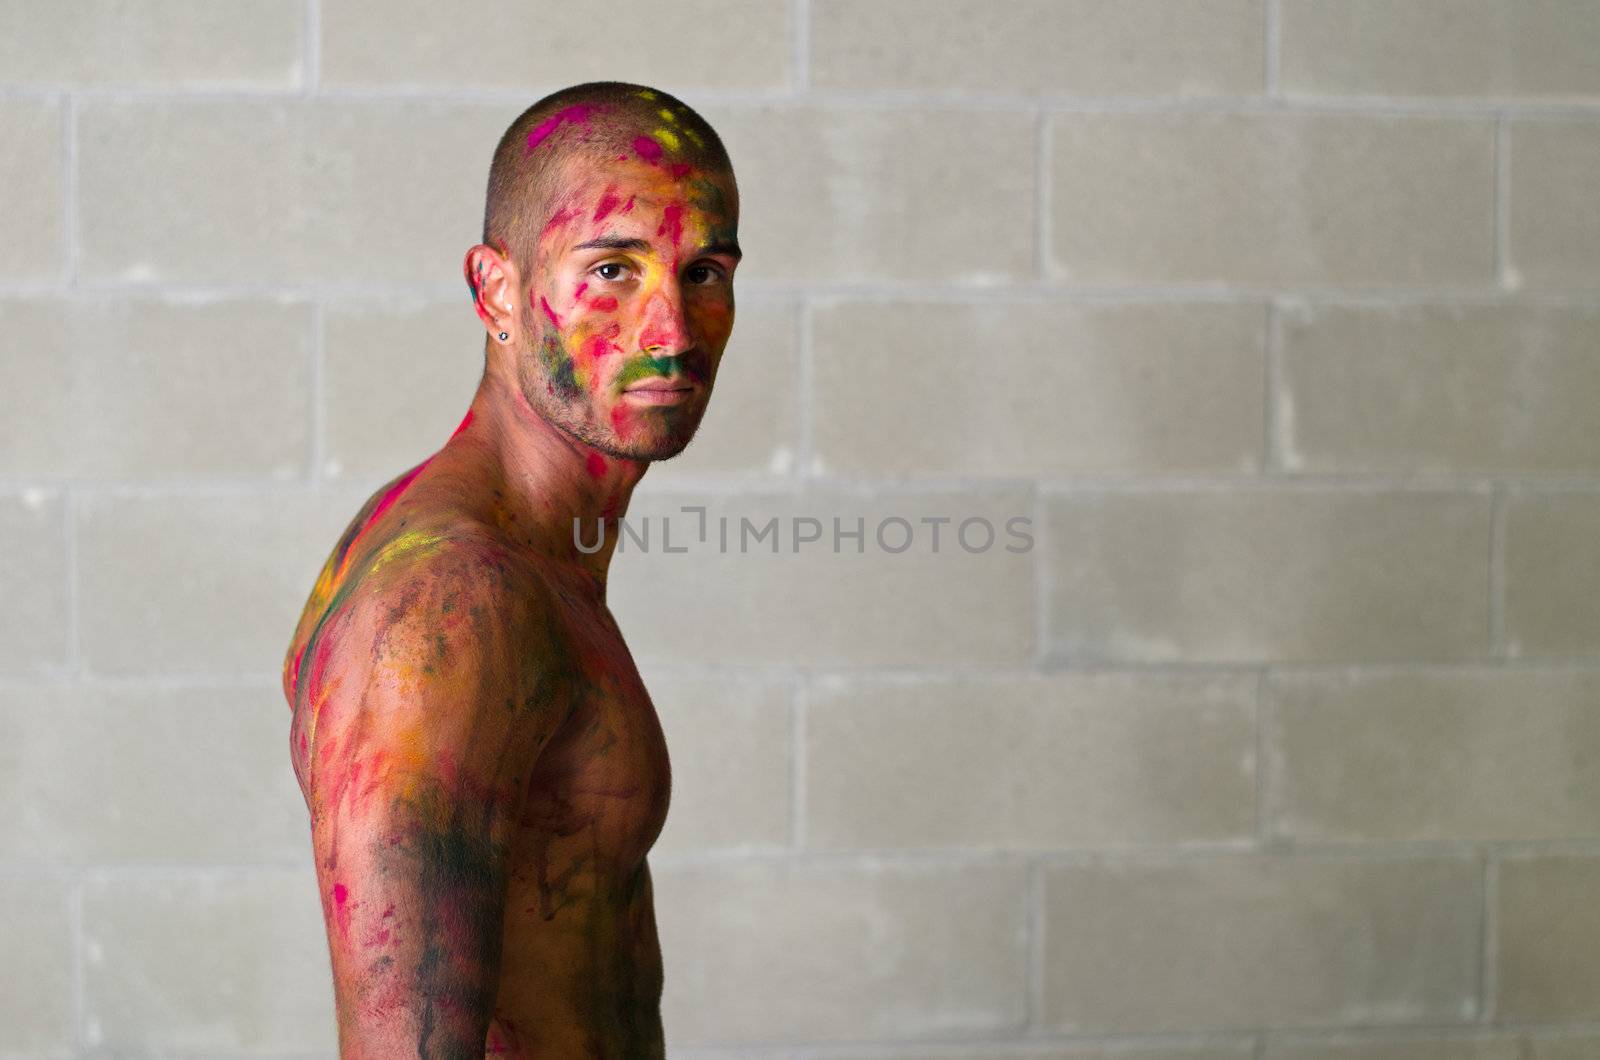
1024 290
961 100
870 676
759 488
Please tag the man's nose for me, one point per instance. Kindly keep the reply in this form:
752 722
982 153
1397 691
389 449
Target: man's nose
665 331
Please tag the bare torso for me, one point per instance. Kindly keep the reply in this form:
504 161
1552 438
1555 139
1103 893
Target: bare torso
580 965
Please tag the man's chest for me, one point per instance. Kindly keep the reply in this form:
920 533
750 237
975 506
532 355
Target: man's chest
598 792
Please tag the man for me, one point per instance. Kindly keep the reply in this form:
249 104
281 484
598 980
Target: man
483 768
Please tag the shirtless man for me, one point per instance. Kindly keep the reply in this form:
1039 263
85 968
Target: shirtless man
483 768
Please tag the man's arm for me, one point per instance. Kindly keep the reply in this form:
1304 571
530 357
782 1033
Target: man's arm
425 740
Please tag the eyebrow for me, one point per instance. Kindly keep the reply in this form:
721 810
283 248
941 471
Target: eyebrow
728 247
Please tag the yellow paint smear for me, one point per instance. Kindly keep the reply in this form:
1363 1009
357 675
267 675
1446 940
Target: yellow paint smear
667 137
413 542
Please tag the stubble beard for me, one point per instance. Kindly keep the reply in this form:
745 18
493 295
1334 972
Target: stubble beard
566 405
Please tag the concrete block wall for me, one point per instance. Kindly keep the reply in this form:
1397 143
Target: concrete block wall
1279 320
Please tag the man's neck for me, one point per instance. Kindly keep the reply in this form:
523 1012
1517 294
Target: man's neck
564 496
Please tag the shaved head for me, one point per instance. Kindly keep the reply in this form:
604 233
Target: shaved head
592 123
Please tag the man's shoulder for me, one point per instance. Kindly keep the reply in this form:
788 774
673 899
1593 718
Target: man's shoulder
450 566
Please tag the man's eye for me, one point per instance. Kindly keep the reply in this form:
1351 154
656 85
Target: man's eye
610 265
707 273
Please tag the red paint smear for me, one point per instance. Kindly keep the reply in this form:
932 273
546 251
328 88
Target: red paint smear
672 223
577 113
551 313
466 421
294 671
680 170
608 202
394 494
559 218
622 158
341 910
582 287
596 465
627 207
605 304
596 347
646 148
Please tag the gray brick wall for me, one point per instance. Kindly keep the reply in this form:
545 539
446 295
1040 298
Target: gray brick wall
1280 319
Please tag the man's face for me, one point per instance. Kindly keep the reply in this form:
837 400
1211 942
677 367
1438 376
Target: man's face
630 304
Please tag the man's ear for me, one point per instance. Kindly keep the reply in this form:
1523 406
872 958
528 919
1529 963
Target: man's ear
492 276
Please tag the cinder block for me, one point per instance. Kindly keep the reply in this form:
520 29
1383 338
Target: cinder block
1438 388
1135 47
778 952
1554 229
907 388
137 775
1552 565
1501 49
36 967
1266 575
235 192
882 195
32 225
1470 754
1411 1047
1112 1051
1547 966
398 378
153 43
33 576
1261 941
1271 199
1031 763
138 389
730 747
751 426
1573 1047
885 599
719 44
207 964
200 584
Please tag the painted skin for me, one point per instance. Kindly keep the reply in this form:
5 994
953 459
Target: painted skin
482 765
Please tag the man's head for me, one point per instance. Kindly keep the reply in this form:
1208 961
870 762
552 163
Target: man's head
609 245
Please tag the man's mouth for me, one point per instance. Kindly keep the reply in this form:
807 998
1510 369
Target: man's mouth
659 390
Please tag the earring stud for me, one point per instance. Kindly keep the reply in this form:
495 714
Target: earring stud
504 335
